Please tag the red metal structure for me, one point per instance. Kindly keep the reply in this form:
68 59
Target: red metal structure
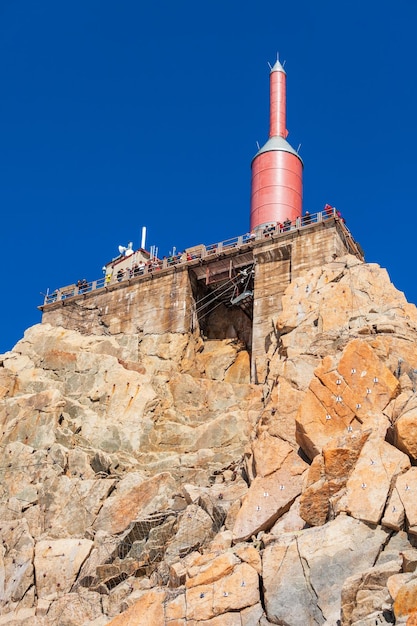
277 169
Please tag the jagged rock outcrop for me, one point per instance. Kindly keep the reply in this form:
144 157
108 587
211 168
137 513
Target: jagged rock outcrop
145 481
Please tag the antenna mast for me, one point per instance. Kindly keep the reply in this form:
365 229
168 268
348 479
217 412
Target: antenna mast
143 241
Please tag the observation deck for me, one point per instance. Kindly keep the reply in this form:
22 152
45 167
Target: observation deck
231 289
207 261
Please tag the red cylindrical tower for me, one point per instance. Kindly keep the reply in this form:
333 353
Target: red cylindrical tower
277 169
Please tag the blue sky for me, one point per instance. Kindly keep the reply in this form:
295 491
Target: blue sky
119 115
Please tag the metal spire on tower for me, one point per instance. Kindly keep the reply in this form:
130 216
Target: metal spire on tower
276 168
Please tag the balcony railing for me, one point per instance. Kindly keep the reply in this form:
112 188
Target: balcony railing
197 252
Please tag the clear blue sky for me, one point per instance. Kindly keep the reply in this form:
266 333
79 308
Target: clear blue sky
119 115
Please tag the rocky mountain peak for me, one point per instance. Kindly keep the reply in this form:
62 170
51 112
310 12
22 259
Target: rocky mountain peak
146 481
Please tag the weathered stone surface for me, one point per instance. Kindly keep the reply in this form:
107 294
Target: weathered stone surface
406 486
134 455
409 560
289 522
221 494
289 596
73 609
148 611
366 593
135 498
285 399
17 482
195 529
177 574
175 607
412 620
236 591
342 395
405 601
208 573
239 371
223 361
8 382
16 561
337 295
248 554
370 482
226 619
70 506
406 433
295 588
394 515
253 616
328 475
22 616
269 453
269 498
222 541
32 418
123 595
398 544
57 563
397 581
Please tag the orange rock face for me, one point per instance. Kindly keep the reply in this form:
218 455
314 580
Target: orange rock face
119 511
406 599
269 497
406 488
412 620
234 592
342 395
328 475
148 611
406 433
370 482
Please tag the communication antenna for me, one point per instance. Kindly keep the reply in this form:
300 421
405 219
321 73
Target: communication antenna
298 149
259 147
126 250
143 241
269 65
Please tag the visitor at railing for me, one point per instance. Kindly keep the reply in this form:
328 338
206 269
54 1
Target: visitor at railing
82 285
306 219
269 229
339 215
153 265
138 269
331 211
328 211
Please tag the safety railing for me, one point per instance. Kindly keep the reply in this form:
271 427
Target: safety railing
191 254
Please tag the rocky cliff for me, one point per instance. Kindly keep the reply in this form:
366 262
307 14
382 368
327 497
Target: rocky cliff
146 482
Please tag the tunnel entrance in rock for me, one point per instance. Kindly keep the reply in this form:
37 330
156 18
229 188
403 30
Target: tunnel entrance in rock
224 302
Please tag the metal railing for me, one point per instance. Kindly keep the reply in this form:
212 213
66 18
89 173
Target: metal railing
191 254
